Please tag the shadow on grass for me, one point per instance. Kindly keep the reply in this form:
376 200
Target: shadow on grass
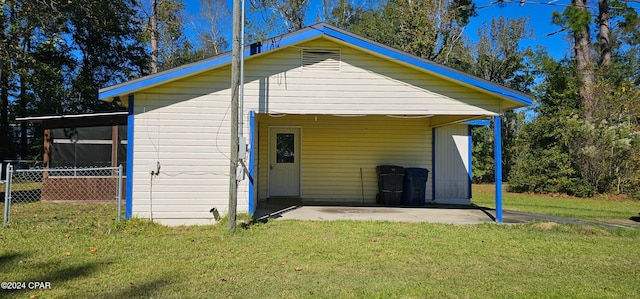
138 290
64 274
61 275
10 258
25 196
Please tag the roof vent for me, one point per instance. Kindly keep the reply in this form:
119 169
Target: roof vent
321 59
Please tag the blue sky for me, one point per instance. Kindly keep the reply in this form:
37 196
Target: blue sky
539 16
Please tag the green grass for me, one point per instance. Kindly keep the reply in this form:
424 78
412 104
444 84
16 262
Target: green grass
296 259
22 186
600 207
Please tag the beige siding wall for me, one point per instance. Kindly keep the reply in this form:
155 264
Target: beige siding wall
334 149
364 84
451 169
187 131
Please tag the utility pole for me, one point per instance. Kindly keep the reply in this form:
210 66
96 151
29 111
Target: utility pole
154 37
235 87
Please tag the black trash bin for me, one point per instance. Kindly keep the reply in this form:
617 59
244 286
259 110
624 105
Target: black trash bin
390 184
414 189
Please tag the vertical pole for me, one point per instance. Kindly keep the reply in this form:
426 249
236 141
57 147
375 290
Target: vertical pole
433 165
154 37
497 154
114 146
119 192
470 159
235 86
241 92
128 210
252 186
7 195
47 148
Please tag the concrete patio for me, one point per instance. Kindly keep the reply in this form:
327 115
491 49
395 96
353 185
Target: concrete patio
432 213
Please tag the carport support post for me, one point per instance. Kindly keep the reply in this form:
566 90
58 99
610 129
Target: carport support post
497 158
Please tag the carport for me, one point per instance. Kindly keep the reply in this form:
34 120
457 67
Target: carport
324 108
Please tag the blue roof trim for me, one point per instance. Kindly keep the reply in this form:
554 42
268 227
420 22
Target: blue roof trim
425 64
310 33
479 122
144 82
201 66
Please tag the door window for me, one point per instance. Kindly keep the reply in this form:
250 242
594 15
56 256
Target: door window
285 148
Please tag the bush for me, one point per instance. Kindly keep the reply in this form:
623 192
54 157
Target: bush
576 157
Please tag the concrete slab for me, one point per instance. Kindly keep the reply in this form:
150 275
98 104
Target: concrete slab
453 216
432 213
449 214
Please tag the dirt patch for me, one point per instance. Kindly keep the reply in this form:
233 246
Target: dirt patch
625 222
545 226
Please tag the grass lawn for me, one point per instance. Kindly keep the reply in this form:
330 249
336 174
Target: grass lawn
83 253
21 186
599 207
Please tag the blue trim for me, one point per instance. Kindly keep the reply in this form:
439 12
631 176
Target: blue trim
470 171
478 122
307 34
252 203
433 164
202 66
497 160
130 141
166 76
424 64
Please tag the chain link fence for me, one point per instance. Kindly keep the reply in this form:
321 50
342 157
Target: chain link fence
63 185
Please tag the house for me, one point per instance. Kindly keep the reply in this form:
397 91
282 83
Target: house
322 108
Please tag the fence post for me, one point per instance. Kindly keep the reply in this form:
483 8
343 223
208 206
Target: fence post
7 194
119 193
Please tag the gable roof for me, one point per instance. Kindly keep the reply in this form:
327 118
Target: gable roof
310 33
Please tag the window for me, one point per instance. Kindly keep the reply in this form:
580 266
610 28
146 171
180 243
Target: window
285 148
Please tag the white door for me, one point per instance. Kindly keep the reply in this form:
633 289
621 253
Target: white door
284 161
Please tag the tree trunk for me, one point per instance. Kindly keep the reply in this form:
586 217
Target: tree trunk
23 100
4 113
584 66
603 34
154 38
24 151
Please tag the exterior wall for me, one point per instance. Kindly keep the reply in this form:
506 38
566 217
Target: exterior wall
334 149
364 84
184 126
451 169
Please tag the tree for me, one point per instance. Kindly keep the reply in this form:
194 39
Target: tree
165 26
342 13
30 29
106 35
603 33
273 17
54 56
431 29
215 18
500 59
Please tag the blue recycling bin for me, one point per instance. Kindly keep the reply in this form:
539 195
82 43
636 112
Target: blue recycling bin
414 187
